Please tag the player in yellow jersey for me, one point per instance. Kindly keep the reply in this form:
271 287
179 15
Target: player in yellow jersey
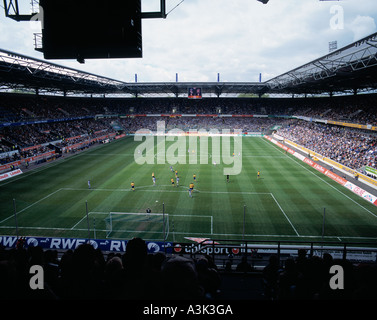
172 182
191 189
194 177
258 174
132 186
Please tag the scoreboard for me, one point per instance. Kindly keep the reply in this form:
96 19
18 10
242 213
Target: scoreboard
195 93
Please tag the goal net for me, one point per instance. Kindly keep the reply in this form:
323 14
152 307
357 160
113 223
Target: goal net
128 225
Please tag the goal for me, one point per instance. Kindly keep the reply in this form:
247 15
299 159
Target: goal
128 225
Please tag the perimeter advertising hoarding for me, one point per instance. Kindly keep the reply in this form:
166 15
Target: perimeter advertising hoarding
201 248
54 243
10 174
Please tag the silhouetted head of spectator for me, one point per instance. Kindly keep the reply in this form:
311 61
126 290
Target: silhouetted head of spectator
202 264
155 260
36 255
301 253
273 261
136 253
289 264
180 279
113 265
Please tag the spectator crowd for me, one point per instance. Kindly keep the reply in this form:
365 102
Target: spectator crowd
83 117
88 273
351 147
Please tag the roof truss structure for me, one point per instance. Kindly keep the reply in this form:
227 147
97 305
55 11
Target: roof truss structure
18 71
351 68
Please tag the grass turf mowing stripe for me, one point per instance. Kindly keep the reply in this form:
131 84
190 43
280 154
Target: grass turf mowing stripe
297 212
111 201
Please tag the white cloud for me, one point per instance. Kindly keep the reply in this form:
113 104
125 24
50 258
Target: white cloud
362 26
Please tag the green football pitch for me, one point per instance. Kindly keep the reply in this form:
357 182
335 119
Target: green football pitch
287 202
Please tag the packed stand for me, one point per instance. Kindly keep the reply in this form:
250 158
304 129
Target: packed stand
87 273
75 117
250 125
351 147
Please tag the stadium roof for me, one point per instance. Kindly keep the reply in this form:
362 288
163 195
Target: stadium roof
352 68
22 72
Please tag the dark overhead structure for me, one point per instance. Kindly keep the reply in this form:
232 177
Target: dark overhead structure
87 29
91 29
19 72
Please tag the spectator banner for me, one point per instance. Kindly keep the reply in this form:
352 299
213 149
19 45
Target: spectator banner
349 185
338 123
173 115
10 174
371 170
23 123
32 159
120 136
32 148
7 166
40 156
353 125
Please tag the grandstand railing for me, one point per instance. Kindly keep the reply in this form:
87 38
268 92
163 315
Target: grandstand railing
221 251
259 251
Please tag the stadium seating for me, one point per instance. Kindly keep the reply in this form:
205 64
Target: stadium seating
68 121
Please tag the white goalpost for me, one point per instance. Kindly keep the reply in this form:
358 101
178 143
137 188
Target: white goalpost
118 223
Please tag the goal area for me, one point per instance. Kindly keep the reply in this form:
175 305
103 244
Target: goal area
131 224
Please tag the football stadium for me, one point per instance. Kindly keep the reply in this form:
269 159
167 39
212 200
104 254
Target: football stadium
237 190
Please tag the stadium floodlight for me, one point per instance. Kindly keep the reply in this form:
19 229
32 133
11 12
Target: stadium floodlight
263 1
333 45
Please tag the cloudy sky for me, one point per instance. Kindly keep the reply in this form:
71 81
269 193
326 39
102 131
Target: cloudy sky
237 39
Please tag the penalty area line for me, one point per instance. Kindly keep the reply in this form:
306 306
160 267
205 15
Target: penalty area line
281 209
34 203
